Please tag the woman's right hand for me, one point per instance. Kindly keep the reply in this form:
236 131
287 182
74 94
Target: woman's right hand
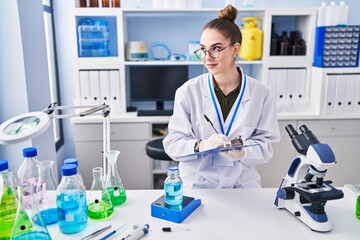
213 141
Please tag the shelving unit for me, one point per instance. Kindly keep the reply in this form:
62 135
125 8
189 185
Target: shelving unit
175 28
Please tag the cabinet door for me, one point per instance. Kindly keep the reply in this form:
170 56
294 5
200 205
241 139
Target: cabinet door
343 136
273 172
133 164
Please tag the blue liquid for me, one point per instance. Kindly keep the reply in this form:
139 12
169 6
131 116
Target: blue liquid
72 211
49 216
38 235
173 193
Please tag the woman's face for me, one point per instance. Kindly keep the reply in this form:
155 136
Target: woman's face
216 42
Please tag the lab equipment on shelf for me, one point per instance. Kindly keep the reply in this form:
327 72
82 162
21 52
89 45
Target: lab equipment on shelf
46 192
8 205
28 221
302 196
113 181
71 201
251 46
173 187
99 201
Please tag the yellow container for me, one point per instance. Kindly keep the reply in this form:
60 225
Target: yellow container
251 47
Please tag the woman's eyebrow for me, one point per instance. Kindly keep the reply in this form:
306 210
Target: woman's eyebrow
212 45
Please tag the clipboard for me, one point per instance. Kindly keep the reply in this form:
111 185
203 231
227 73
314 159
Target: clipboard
217 150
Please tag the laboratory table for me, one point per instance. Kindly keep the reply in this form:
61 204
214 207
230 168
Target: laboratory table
225 214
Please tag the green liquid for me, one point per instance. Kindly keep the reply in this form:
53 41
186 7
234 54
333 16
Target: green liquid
100 210
7 213
358 207
117 195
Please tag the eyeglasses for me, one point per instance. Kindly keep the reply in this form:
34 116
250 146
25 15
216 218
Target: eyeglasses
214 52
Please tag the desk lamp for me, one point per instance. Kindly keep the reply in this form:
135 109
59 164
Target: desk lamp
29 125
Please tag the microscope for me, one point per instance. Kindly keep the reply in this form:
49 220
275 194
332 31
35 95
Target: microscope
303 191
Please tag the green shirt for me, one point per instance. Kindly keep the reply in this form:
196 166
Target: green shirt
226 102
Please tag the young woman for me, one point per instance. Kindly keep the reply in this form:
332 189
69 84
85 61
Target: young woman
236 104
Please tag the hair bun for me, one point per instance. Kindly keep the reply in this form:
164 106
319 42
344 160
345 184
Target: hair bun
229 13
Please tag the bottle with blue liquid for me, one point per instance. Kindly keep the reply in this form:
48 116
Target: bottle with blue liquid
173 187
71 201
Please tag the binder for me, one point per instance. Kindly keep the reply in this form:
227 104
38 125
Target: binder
115 91
329 94
104 87
340 94
84 88
300 95
281 88
272 80
94 87
291 80
357 95
350 93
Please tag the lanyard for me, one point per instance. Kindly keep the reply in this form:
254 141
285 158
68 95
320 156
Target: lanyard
236 108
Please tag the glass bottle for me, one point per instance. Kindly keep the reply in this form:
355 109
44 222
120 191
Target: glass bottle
113 181
28 173
173 187
24 226
8 205
99 202
46 192
71 201
76 162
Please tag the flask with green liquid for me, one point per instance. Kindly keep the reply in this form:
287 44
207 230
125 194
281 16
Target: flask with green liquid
113 181
99 201
357 210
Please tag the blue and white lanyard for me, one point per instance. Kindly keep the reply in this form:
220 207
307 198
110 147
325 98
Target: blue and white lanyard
236 109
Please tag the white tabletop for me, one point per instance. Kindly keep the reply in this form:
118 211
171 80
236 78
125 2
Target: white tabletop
225 214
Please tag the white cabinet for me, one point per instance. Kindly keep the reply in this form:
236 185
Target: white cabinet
129 138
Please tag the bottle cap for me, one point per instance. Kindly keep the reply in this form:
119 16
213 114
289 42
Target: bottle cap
68 169
29 152
173 168
4 165
71 161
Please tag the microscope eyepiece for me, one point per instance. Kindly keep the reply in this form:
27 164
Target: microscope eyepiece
291 131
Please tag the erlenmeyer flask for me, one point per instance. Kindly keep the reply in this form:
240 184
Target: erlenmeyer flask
99 202
8 201
113 181
25 227
46 192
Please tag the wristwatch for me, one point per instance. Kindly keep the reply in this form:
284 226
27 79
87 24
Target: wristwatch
197 145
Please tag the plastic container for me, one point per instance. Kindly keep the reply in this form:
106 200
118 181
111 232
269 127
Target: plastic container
173 187
251 46
99 201
71 201
94 39
332 14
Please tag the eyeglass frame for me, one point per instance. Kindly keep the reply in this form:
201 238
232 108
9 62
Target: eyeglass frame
208 51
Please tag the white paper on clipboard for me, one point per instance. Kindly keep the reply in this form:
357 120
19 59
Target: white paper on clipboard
217 150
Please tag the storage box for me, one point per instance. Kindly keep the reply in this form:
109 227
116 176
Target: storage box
93 40
337 46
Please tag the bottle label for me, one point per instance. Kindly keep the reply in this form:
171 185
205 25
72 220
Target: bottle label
69 217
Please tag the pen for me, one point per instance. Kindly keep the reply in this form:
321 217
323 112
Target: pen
207 119
138 232
96 232
112 233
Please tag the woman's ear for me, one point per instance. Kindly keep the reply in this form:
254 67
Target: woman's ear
236 49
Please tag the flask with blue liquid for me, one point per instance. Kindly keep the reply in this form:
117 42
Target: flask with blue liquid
71 201
173 187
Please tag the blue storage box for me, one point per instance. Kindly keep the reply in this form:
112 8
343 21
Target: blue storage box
337 46
93 39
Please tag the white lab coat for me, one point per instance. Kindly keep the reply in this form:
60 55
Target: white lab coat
255 121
